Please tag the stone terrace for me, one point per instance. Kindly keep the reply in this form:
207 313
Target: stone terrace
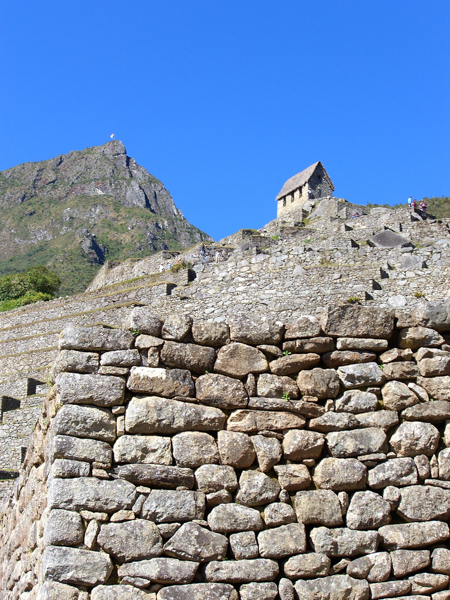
290 268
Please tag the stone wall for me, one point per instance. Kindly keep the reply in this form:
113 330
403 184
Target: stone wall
388 258
252 459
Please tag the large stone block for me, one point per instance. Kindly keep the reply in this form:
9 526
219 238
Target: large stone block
121 358
162 382
437 387
94 338
293 477
303 327
212 478
67 446
307 566
339 358
144 320
244 545
398 396
356 402
210 333
279 513
76 362
147 449
65 468
120 592
401 370
252 421
242 571
194 448
163 416
357 442
384 419
334 421
368 510
248 329
343 542
397 472
293 363
89 493
258 591
413 535
100 390
161 570
192 542
199 591
340 474
354 321
161 476
352 343
435 315
85 422
405 562
361 375
431 412
193 357
413 437
172 506
63 528
374 567
283 541
238 360
322 383
73 565
424 503
131 540
274 386
256 489
268 451
235 449
299 444
388 239
337 587
176 327
433 363
318 507
221 391
229 518
418 337
53 590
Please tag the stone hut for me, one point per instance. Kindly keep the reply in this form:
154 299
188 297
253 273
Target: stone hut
314 182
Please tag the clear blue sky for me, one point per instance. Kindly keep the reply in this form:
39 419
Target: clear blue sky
223 101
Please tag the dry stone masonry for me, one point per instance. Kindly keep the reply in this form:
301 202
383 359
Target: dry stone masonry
186 459
311 257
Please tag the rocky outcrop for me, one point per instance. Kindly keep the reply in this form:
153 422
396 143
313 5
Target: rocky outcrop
84 207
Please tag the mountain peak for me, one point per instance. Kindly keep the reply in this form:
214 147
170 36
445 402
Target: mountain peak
113 148
123 211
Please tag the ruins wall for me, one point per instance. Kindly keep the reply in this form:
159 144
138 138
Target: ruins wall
287 271
204 460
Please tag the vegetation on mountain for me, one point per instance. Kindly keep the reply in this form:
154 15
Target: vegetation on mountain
35 284
74 212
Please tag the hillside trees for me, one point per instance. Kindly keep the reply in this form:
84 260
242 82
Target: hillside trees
33 285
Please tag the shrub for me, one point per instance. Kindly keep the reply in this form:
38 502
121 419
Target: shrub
35 280
354 300
28 298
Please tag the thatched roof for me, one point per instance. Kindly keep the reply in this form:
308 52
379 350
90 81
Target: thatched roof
300 179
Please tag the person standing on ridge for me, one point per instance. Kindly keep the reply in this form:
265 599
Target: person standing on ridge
409 201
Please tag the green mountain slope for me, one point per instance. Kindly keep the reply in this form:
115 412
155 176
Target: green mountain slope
75 211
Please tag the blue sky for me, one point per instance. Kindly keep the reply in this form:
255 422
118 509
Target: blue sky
223 101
